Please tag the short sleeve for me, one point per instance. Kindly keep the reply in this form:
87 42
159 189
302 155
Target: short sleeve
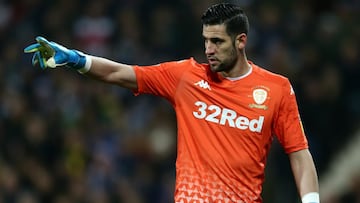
287 125
161 79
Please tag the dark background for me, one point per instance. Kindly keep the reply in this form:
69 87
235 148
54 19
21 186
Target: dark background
67 139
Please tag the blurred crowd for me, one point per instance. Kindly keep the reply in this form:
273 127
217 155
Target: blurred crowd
65 138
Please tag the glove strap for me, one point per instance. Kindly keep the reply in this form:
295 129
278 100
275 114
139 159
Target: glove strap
76 59
79 61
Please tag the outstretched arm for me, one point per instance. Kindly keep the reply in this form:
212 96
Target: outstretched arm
305 175
49 54
112 72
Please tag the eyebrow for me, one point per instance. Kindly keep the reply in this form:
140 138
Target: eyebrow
214 39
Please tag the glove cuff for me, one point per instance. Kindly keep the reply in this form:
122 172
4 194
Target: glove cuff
312 197
87 65
77 59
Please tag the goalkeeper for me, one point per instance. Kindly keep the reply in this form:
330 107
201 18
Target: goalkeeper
228 111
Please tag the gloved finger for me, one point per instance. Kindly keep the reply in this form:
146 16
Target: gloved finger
42 41
32 48
42 60
38 59
48 50
35 58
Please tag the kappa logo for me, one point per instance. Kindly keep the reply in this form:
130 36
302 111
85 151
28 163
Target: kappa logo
203 84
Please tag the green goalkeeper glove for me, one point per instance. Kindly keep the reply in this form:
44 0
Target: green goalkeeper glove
50 54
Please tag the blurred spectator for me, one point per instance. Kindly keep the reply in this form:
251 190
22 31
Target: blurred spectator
94 28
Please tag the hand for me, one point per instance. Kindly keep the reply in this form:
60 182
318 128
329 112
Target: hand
51 54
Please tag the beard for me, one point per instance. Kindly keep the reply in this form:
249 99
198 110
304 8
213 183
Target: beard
226 64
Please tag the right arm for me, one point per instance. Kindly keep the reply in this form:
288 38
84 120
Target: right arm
50 54
112 72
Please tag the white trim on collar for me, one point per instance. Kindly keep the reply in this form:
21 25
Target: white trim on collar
241 77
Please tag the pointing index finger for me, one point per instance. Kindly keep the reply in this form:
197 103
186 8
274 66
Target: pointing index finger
48 50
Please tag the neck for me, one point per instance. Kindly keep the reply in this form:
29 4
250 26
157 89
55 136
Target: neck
241 67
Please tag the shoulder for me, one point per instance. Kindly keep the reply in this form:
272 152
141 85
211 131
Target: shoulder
190 63
186 66
172 70
270 76
175 67
280 84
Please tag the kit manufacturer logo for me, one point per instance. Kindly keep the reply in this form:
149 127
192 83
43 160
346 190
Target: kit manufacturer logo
203 84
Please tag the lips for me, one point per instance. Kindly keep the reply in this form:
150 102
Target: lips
212 60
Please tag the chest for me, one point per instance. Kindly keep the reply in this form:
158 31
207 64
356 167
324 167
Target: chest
227 100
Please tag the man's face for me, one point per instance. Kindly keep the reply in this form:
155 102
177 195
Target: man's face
219 48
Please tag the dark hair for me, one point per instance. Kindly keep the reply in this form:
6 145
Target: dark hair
232 16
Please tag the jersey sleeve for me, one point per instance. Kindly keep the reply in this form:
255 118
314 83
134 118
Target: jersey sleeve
288 126
161 79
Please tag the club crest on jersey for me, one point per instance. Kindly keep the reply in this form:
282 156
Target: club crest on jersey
260 95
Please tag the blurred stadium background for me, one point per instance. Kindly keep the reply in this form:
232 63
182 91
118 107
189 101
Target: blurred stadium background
67 139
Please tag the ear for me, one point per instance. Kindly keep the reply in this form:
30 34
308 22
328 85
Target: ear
240 41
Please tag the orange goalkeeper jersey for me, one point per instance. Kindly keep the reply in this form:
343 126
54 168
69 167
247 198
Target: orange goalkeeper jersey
225 127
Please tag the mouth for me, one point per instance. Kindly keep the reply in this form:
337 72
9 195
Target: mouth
212 60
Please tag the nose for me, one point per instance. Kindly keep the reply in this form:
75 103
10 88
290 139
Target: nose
209 48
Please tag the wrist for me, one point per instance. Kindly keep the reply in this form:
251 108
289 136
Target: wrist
77 60
311 197
87 66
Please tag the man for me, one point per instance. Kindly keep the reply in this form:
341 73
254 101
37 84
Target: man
227 111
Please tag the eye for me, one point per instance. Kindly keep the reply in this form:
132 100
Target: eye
206 40
216 41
